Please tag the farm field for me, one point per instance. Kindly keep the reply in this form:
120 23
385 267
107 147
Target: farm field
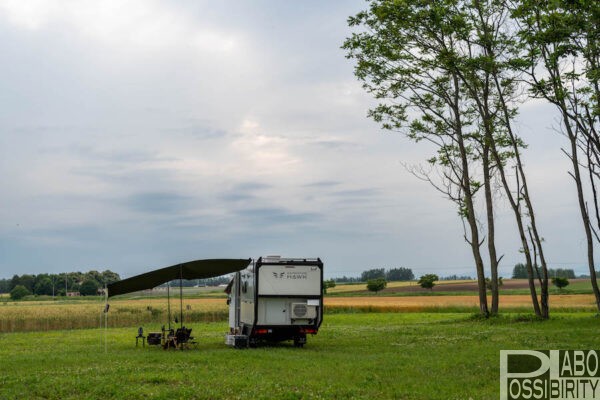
461 287
81 313
77 314
462 302
353 287
354 356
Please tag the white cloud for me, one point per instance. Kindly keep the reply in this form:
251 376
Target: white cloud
30 15
141 24
263 154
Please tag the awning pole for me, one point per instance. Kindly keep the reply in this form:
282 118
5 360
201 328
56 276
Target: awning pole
169 304
105 318
181 297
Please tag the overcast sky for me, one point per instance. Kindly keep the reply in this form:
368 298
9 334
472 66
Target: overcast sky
140 134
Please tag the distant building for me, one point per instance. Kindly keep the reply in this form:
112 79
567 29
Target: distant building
73 294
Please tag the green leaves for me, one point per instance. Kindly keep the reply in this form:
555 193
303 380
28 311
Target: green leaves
430 63
428 281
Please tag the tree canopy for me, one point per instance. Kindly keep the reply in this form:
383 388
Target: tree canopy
376 285
18 292
428 281
48 284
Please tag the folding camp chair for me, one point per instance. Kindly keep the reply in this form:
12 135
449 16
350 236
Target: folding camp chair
139 336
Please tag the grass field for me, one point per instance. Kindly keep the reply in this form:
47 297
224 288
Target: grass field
354 356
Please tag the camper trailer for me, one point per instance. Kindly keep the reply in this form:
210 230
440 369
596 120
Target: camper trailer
275 299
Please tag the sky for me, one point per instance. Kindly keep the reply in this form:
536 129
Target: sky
138 134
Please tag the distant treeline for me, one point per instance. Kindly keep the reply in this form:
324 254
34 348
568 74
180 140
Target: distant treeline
220 280
58 284
391 275
456 278
520 272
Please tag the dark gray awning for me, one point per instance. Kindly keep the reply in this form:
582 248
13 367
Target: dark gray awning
198 269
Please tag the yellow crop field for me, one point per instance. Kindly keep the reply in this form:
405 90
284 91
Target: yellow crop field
341 288
48 315
77 314
345 288
422 303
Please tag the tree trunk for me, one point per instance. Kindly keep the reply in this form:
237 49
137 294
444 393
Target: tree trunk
491 240
522 235
515 204
468 198
583 209
554 71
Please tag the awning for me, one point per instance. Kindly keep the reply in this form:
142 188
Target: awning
199 269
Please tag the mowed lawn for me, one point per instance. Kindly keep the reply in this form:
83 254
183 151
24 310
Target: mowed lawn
361 355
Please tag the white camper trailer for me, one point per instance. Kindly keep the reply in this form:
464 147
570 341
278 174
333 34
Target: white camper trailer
275 299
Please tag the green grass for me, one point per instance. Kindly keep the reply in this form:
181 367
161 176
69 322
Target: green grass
354 356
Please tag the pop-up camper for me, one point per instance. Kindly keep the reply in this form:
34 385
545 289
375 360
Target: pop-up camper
275 299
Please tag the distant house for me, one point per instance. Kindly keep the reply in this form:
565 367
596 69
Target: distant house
73 294
100 291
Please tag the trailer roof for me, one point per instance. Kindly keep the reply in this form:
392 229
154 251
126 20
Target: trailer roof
281 260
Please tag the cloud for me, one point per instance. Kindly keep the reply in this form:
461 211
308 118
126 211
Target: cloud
199 132
116 156
233 197
322 184
244 192
158 203
356 193
334 144
262 217
143 24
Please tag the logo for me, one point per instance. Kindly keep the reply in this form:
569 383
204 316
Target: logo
290 275
549 374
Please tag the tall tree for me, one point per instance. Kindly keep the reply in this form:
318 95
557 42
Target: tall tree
5 285
109 277
399 274
406 55
562 39
374 273
519 271
43 286
490 72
